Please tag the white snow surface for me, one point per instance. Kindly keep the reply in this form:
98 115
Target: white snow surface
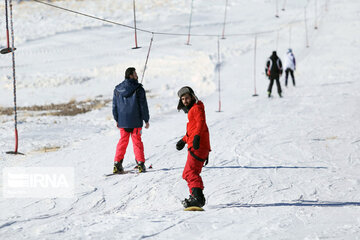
280 168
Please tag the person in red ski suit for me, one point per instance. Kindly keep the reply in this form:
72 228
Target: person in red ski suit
198 143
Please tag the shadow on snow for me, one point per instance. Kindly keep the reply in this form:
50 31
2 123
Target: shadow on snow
288 204
267 167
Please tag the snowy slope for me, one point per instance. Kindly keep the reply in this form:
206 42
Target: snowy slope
280 168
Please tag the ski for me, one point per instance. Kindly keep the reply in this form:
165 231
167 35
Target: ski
123 173
133 171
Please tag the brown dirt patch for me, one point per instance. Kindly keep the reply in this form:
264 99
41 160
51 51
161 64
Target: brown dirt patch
71 108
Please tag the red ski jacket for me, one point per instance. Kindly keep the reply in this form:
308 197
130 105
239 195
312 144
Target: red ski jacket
197 126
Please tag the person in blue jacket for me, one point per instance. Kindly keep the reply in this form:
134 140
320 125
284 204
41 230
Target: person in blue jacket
130 111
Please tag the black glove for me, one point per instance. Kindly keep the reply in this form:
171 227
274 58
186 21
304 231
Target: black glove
206 161
180 145
196 142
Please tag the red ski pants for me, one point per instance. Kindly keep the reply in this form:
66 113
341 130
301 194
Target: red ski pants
192 170
124 141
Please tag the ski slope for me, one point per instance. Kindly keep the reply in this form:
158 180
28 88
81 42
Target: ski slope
280 168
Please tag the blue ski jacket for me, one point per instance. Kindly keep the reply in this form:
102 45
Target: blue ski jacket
130 107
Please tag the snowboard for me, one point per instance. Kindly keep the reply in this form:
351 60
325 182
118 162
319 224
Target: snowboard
194 208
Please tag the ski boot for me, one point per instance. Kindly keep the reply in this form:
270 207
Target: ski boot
141 167
280 95
197 199
118 168
269 94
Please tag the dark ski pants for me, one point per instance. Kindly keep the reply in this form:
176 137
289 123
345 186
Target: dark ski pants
287 71
272 79
192 170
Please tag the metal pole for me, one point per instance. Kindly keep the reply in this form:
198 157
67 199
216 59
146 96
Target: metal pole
136 44
306 32
7 24
283 8
8 49
219 86
255 44
315 26
277 9
188 41
290 36
223 31
14 82
147 57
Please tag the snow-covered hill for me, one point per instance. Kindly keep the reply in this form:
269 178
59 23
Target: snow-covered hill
281 168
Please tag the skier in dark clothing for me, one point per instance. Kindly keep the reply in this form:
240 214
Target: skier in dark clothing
198 144
130 110
274 70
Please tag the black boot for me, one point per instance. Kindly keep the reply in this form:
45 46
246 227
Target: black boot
118 168
198 194
195 199
141 167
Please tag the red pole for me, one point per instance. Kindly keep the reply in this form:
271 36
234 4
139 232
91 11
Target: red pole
16 140
136 44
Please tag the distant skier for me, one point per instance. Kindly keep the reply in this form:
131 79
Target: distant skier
290 66
198 144
274 70
130 109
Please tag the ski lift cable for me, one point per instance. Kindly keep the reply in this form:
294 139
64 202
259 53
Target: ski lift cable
158 33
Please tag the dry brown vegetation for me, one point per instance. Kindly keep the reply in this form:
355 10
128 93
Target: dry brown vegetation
71 108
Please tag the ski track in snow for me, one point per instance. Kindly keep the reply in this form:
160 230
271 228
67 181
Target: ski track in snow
279 168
